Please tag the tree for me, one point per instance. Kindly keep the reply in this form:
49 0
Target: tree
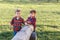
57 1
48 1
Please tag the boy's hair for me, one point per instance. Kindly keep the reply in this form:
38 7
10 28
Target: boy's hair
33 11
17 10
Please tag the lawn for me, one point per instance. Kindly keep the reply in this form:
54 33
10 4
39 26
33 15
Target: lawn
48 20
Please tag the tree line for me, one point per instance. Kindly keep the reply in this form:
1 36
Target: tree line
46 1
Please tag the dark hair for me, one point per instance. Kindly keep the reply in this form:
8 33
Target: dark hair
17 10
33 11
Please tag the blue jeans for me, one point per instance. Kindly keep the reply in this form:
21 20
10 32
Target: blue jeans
17 30
15 33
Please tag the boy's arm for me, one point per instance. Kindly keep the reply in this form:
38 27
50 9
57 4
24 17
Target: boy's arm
34 21
26 22
12 21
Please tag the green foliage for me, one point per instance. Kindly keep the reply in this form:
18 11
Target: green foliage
6 36
30 1
33 0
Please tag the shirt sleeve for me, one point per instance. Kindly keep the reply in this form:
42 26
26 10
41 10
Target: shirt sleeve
23 21
28 20
34 21
12 21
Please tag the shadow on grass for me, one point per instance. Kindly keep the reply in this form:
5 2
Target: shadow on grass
6 35
53 26
55 12
41 35
48 35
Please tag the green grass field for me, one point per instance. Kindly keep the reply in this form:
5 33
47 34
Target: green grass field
48 20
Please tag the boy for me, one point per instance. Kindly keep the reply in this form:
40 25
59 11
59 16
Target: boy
32 20
17 21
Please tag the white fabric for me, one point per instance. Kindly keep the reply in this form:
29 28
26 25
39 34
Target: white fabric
24 34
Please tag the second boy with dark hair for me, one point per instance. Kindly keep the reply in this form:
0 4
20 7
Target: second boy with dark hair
32 21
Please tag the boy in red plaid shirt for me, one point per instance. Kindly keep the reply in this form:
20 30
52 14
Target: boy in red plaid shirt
17 22
32 19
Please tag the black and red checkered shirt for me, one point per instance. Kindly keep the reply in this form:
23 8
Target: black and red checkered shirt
33 21
17 23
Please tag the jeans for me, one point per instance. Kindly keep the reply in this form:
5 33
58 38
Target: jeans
15 33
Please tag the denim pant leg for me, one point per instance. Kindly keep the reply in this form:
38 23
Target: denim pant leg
15 33
19 28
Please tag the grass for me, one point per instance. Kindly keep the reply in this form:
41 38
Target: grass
48 20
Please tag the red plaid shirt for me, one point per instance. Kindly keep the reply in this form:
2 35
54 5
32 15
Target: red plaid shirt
33 21
17 23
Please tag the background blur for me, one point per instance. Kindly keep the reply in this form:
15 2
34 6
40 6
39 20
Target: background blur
48 17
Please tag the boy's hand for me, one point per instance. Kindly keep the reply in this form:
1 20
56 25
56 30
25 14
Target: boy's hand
28 22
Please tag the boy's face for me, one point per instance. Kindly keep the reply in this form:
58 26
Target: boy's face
17 14
32 14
